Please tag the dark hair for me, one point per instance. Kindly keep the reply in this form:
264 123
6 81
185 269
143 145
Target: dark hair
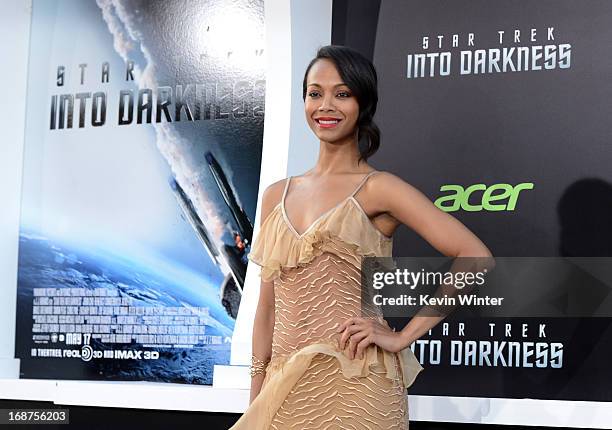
359 74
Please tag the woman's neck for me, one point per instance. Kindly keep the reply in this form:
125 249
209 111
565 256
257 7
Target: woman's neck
337 158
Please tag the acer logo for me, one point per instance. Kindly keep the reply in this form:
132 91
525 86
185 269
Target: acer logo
479 197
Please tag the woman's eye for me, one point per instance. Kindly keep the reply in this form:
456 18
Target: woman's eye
313 94
344 94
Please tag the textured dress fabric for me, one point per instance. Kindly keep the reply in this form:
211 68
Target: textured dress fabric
310 382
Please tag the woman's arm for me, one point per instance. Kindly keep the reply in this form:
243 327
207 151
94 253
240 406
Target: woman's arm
262 332
387 193
411 207
263 326
440 229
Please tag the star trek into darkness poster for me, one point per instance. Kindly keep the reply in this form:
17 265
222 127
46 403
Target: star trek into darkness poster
141 169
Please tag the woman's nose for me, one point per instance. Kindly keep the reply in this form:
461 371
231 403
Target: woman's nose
327 103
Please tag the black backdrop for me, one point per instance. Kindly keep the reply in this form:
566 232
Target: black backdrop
550 128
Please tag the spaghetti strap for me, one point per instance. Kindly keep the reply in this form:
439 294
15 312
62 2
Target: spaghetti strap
363 181
285 190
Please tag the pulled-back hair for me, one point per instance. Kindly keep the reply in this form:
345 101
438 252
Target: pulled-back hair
359 74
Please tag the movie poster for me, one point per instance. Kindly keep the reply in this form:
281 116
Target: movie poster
500 114
141 168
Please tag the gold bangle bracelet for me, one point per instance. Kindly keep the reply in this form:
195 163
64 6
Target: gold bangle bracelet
257 366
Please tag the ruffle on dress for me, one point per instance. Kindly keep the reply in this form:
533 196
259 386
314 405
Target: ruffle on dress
277 246
283 373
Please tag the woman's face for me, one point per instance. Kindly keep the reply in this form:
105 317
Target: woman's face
331 108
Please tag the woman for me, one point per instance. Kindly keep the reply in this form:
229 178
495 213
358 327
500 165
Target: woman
319 359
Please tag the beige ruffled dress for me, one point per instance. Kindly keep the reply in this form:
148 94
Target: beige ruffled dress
310 382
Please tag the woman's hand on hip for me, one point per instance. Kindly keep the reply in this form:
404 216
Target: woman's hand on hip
358 333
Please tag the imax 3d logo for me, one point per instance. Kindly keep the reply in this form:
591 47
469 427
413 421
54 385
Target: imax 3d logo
497 197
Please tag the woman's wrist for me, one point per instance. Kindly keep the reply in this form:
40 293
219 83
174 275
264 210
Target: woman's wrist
405 339
258 366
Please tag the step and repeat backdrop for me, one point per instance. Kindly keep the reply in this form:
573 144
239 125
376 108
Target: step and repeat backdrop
143 141
500 113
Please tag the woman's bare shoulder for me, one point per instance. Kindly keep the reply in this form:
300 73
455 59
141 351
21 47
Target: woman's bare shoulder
387 188
271 197
385 178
